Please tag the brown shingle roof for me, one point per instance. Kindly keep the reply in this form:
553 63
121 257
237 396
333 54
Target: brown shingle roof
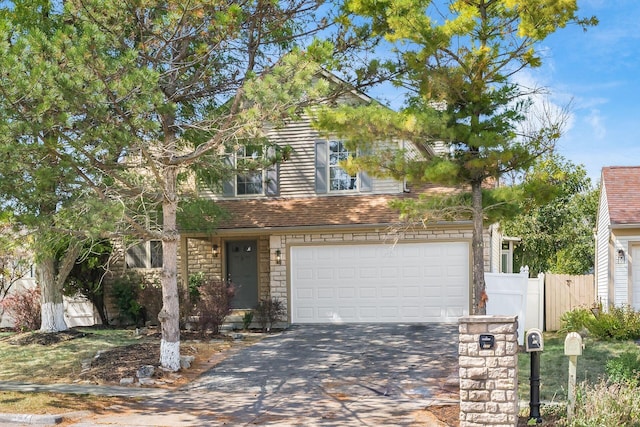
622 184
313 211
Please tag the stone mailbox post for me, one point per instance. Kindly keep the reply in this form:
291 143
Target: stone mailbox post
488 358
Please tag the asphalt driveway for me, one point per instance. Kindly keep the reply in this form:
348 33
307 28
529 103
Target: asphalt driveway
319 375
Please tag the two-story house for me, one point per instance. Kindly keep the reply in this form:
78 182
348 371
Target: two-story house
327 244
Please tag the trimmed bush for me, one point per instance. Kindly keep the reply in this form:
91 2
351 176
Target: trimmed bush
24 309
270 311
214 304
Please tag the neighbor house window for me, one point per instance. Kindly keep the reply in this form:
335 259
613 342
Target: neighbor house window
145 255
251 177
330 176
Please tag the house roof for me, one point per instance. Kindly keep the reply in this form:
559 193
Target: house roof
349 210
622 185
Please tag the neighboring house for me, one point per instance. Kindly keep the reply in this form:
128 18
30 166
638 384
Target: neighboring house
617 263
328 245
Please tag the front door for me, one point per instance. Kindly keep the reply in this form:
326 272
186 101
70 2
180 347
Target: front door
242 271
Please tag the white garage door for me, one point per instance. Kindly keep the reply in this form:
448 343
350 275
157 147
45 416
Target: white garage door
408 282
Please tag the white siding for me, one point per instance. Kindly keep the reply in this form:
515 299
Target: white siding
602 249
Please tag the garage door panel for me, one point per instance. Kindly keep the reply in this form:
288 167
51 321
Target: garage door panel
405 282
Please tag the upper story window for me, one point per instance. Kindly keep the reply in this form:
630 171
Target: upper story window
251 178
330 176
145 255
251 181
339 179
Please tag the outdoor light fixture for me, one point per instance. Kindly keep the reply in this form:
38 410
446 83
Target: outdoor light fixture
216 251
278 256
621 257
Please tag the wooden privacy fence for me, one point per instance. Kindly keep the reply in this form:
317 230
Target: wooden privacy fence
563 293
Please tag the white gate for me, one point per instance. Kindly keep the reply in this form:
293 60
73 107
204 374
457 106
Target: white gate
508 296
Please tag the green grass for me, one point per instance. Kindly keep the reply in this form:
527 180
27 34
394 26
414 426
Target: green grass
53 363
554 365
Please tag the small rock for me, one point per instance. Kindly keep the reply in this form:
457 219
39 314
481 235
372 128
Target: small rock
237 336
146 381
186 361
146 371
126 381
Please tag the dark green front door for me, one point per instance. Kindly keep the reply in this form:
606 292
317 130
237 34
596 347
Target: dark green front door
242 271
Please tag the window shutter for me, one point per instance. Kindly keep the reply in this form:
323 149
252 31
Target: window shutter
321 167
366 183
229 185
272 185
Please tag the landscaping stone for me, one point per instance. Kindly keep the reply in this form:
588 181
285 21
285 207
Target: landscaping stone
146 371
126 381
186 361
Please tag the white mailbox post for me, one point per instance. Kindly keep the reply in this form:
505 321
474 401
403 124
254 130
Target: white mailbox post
573 348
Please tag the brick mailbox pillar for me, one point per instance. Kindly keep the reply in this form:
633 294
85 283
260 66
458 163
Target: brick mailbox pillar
488 359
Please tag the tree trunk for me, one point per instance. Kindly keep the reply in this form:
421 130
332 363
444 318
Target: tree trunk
477 251
51 296
170 314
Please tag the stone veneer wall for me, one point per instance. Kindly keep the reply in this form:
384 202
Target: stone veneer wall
488 378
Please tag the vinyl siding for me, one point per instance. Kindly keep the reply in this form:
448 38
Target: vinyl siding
297 174
602 250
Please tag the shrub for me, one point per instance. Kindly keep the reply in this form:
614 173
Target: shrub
606 404
214 304
125 292
247 319
624 369
189 297
619 323
575 320
269 311
24 309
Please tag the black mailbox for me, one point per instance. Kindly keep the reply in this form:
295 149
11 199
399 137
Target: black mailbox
487 342
533 340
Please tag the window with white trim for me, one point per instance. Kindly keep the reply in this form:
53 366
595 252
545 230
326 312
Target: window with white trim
145 255
251 178
330 176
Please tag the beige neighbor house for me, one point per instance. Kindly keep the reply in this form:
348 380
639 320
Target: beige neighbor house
617 263
328 245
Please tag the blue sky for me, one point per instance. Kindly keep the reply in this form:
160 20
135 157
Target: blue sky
599 73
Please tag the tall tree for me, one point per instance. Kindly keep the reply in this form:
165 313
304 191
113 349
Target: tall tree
557 236
456 60
153 93
39 188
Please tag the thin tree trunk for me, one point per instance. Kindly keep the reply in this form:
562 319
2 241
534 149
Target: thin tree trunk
170 314
477 251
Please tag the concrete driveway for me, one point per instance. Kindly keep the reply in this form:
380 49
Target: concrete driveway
318 375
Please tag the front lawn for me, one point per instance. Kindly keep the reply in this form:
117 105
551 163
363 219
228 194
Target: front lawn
554 365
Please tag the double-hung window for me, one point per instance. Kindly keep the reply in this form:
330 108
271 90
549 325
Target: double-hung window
252 177
145 255
330 176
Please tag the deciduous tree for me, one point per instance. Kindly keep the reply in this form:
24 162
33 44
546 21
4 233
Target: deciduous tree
150 94
557 236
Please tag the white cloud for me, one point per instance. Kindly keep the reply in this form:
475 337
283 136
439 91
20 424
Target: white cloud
596 122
